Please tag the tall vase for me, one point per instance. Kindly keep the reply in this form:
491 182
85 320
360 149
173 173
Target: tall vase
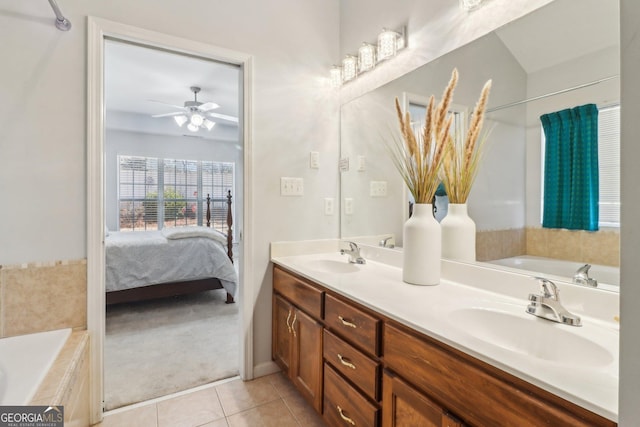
458 234
421 247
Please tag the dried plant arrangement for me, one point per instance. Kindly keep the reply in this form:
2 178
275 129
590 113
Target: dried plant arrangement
419 159
461 161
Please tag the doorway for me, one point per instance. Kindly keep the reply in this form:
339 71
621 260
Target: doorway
99 32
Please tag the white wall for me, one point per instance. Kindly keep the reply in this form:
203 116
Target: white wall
43 114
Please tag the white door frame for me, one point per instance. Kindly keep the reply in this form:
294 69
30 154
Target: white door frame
97 30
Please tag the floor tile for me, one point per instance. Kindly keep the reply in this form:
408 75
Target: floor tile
237 396
303 411
190 410
272 414
218 423
282 384
145 416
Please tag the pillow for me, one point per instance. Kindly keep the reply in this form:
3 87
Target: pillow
186 232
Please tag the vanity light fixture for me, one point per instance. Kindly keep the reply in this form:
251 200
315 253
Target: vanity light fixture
470 4
369 55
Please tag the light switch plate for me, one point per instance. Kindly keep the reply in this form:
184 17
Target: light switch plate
362 163
378 189
291 186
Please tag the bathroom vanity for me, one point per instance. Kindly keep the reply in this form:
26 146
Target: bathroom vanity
360 364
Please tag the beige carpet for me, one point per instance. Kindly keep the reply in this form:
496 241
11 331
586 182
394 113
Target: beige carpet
160 347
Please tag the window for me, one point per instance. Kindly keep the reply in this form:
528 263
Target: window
156 193
608 166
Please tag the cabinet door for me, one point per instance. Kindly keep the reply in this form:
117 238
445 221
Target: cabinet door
403 406
282 338
306 365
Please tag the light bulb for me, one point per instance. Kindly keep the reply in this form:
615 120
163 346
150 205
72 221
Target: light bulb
366 57
197 119
349 68
192 127
387 44
180 120
209 124
336 76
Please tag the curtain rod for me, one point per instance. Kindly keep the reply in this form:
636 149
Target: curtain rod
62 23
513 104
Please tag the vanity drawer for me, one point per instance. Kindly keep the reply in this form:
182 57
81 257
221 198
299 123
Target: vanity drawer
344 405
352 364
477 391
353 324
301 294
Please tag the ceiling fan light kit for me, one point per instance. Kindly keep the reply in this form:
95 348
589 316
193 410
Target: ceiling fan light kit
195 112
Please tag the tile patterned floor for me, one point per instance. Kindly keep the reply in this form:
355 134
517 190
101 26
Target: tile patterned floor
267 401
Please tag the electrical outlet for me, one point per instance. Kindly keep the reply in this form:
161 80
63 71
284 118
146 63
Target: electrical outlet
362 163
328 206
314 160
378 189
348 206
291 186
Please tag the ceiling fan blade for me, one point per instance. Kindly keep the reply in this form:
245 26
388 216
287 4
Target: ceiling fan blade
208 106
224 117
177 113
166 103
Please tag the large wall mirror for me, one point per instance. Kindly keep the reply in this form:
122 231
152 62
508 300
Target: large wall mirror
560 56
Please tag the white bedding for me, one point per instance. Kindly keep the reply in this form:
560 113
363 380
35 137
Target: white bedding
141 258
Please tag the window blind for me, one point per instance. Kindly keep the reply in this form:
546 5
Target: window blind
609 165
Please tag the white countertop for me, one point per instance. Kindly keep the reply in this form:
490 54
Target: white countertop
433 310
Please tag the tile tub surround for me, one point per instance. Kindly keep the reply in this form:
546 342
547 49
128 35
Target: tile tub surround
596 247
67 382
378 286
498 244
37 297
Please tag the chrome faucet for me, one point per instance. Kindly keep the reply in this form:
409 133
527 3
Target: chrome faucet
383 243
582 277
354 254
547 305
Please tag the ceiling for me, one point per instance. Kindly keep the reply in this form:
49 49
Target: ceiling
141 82
533 41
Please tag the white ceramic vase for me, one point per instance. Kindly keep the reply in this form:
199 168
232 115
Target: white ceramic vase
458 234
422 247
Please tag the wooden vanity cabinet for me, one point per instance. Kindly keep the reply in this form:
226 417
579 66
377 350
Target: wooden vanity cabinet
297 334
357 367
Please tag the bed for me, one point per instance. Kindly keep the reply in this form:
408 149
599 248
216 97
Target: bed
173 261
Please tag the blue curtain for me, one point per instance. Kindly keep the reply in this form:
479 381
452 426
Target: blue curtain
571 168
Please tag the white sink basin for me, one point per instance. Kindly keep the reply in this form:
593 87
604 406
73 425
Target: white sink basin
531 336
332 266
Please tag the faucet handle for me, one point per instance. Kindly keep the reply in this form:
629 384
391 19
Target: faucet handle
548 288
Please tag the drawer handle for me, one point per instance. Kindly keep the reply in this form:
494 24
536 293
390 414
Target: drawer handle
346 362
293 322
346 322
288 317
344 417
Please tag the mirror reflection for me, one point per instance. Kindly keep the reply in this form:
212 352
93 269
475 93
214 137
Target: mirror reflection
539 65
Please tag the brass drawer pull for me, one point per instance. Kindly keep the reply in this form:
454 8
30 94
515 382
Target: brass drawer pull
288 317
293 322
344 417
347 323
346 362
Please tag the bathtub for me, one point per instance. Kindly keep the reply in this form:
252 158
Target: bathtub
24 362
608 277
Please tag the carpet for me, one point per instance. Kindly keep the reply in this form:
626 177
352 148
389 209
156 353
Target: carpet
160 347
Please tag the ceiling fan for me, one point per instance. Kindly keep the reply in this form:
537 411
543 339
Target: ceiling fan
196 113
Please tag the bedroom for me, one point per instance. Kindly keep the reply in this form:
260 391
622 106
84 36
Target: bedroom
170 208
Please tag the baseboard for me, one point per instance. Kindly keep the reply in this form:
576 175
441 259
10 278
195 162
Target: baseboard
266 368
